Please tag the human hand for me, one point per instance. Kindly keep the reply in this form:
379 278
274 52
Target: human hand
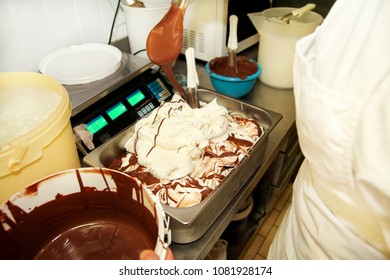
151 255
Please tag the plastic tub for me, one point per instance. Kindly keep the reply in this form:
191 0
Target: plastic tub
139 22
48 147
84 213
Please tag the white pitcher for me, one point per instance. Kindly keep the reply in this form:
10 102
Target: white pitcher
277 42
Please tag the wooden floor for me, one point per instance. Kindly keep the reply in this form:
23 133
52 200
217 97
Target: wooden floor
258 248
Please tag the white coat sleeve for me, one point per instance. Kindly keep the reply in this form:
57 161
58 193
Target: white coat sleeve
371 159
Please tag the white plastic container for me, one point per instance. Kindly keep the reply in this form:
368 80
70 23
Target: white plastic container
46 148
277 43
139 22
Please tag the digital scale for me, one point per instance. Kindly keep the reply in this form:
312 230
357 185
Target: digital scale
114 103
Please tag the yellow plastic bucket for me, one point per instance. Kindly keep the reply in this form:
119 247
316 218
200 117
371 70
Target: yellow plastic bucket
48 147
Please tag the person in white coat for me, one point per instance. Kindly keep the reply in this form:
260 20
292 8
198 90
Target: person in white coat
341 196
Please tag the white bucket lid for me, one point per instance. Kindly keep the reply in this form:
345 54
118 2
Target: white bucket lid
81 64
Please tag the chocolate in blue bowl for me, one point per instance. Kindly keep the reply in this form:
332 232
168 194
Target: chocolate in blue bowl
233 85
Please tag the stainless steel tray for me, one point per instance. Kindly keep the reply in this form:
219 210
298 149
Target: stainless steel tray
189 224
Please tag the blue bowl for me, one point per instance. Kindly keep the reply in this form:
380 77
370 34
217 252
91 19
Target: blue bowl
231 86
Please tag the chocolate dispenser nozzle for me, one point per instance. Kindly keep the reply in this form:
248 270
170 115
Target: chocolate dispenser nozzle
182 4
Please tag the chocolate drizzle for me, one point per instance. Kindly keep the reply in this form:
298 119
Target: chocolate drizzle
239 142
159 126
155 137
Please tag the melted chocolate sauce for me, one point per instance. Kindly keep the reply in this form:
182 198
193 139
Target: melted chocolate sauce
245 67
90 224
164 43
240 142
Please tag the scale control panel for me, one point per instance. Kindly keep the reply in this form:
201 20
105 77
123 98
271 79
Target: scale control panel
121 108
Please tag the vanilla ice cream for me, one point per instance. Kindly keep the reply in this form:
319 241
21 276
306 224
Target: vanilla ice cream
182 154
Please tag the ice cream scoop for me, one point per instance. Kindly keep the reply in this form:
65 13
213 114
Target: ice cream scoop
192 79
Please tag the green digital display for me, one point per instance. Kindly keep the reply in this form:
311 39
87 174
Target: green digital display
96 124
116 111
135 98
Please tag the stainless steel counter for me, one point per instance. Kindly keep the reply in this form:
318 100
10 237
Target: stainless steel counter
280 101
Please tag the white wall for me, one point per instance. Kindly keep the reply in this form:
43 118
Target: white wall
30 29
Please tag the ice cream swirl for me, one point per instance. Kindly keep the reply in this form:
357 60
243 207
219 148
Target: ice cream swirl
171 140
182 154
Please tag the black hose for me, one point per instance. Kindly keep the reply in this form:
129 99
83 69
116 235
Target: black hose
113 22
